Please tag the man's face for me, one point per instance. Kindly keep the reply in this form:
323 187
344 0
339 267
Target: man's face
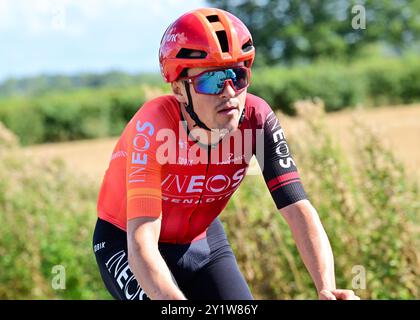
220 111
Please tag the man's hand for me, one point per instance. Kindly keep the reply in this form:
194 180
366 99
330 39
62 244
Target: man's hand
337 294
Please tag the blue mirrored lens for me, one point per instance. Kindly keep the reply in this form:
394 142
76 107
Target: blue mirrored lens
213 82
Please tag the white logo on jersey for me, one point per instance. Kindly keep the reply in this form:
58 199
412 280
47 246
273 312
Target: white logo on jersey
217 184
141 143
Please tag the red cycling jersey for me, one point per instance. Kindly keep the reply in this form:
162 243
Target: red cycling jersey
158 170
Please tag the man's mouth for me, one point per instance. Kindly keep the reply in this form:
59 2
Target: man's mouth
228 109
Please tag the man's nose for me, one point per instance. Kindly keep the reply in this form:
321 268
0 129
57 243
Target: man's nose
228 91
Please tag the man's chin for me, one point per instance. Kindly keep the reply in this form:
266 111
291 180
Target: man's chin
229 127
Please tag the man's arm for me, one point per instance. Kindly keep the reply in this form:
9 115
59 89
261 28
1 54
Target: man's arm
282 179
315 249
147 263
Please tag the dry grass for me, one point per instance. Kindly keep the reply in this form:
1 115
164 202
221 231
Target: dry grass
397 126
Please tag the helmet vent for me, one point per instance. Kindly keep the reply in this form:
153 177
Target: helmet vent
191 54
213 18
247 46
223 40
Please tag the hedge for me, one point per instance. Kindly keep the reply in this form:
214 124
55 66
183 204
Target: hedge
93 113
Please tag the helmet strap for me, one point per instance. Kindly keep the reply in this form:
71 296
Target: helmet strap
242 117
190 109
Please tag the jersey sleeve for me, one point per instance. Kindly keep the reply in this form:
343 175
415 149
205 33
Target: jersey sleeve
275 159
143 170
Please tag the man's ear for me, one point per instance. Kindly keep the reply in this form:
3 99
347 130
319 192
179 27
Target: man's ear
179 91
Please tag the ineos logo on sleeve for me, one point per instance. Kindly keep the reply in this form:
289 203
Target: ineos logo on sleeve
282 149
140 143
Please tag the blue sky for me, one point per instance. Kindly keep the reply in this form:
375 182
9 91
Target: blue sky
63 36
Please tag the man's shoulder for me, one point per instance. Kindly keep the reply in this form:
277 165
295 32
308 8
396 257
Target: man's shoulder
257 109
254 101
158 113
162 110
157 106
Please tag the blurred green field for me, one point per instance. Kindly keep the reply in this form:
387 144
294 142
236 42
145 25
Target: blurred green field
367 201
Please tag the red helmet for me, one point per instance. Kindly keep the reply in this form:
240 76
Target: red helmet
216 37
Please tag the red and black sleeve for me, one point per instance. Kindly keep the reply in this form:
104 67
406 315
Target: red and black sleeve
275 159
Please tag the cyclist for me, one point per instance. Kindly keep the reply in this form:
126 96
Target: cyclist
174 168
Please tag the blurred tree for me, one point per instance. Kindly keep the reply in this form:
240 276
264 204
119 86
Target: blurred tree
295 30
43 83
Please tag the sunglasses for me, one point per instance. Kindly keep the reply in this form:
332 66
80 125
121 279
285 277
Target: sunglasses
213 82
